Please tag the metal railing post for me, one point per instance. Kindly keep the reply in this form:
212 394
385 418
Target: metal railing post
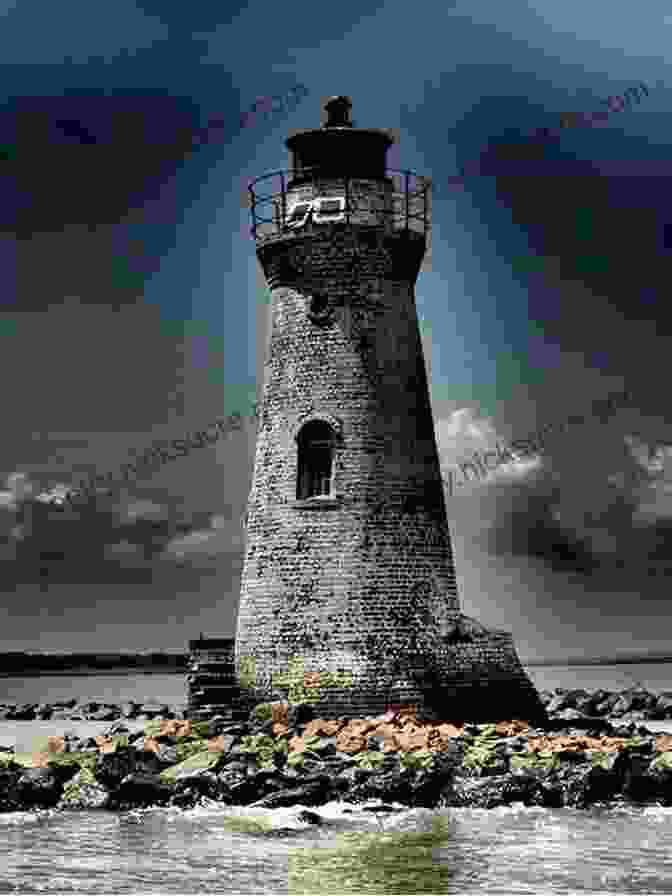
406 177
424 211
254 217
284 200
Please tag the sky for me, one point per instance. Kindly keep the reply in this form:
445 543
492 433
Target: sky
134 308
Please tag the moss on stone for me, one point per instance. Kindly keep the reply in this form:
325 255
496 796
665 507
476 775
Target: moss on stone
189 746
83 759
663 760
263 712
369 759
416 760
542 760
203 761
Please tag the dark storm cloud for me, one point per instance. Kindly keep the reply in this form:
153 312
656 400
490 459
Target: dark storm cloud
124 541
596 503
88 159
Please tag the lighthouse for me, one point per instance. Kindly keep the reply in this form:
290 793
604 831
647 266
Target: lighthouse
349 578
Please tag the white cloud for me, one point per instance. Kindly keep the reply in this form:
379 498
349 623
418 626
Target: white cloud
463 433
19 488
656 495
223 536
145 509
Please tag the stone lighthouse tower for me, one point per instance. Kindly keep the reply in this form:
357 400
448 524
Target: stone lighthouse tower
348 562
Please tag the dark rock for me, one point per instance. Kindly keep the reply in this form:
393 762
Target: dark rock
299 715
373 742
585 704
44 711
119 727
488 793
104 715
623 730
39 787
10 795
311 794
236 787
22 713
216 725
641 698
496 769
566 700
167 755
140 789
189 789
633 715
390 786
111 768
87 708
631 700
568 719
256 727
325 747
663 707
606 703
129 710
579 785
151 710
149 763
238 729
514 745
309 817
632 770
661 782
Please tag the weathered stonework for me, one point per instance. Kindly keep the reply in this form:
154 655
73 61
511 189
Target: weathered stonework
361 580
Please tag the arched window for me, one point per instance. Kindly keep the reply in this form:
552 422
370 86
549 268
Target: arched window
316 456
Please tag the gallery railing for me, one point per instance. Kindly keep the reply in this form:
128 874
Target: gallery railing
397 201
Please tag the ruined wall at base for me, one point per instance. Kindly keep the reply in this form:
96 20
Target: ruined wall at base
486 676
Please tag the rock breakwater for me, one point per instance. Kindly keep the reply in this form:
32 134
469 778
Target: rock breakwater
635 704
283 756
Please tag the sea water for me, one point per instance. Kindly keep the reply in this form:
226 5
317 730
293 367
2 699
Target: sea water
508 850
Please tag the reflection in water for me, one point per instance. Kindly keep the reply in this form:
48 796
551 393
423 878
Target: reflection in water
467 851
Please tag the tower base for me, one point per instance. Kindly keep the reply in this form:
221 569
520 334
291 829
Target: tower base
473 674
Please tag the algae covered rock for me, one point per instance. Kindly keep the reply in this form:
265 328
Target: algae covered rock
83 791
205 760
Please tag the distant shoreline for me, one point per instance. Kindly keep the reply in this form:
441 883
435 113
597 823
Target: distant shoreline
17 665
599 661
83 670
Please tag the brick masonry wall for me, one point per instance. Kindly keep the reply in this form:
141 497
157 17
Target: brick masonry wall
363 583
